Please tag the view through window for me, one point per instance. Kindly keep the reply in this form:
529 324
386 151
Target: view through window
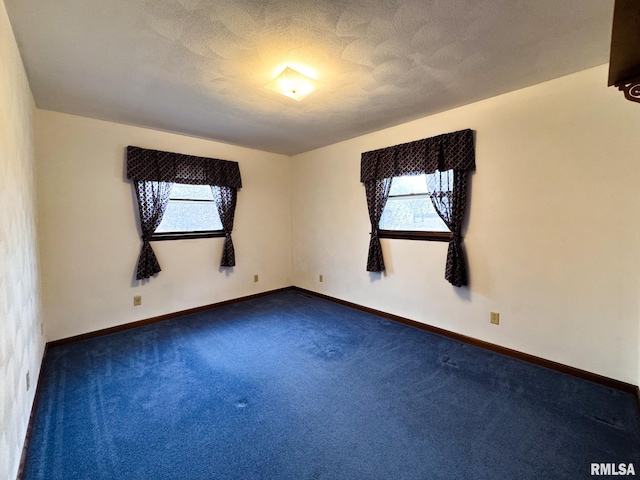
409 207
191 208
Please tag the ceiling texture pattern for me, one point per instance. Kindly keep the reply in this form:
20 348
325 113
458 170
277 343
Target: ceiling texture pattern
198 67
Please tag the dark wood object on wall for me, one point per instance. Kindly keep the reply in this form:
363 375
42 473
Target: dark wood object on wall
624 62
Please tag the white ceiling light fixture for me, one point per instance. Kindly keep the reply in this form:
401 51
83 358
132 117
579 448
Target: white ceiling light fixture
293 84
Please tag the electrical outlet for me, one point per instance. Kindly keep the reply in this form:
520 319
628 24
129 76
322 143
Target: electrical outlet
495 318
137 301
28 382
255 278
321 278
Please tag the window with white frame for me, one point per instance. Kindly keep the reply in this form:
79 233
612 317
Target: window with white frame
409 211
191 213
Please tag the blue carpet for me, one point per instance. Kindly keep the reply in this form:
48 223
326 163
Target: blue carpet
293 387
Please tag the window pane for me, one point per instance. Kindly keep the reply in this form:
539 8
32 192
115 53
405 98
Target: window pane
188 216
193 192
408 184
411 213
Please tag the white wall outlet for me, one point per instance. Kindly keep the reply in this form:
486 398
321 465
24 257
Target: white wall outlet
255 278
495 318
321 278
137 300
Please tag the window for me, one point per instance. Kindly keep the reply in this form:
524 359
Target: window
447 160
191 213
409 212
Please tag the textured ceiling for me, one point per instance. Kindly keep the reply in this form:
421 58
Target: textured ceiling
197 66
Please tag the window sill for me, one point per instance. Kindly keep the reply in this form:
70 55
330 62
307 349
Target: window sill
185 235
415 235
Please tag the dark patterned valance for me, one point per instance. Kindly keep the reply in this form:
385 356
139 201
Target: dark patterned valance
451 151
157 166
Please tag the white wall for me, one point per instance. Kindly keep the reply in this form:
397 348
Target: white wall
89 235
553 237
21 342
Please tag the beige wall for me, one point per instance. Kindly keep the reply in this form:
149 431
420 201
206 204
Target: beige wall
21 342
89 235
553 237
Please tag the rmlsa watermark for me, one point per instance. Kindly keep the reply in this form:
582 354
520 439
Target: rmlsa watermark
611 469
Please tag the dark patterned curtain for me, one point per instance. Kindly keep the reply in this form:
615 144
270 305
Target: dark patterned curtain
449 196
153 198
377 194
226 198
451 151
159 166
154 172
